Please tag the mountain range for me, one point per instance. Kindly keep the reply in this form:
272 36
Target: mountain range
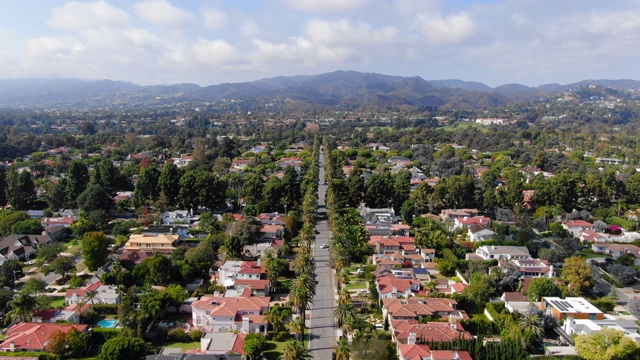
338 89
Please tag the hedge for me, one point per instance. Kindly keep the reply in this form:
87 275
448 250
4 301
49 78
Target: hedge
105 309
495 309
604 304
36 354
100 335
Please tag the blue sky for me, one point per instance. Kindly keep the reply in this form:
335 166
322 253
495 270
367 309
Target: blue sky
208 42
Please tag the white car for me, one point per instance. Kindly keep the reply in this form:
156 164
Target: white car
324 246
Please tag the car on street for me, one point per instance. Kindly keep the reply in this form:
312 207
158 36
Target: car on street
324 246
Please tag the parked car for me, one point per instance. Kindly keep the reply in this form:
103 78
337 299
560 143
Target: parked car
324 246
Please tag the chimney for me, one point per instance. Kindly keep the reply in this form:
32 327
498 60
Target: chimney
12 346
412 339
245 325
395 289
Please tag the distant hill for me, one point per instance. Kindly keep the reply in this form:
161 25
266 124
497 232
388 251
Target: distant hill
338 89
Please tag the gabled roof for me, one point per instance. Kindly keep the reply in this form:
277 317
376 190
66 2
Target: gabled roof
34 336
431 331
387 283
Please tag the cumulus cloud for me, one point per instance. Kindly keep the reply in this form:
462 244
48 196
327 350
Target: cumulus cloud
54 47
214 18
75 15
326 5
344 32
613 22
446 30
215 53
162 13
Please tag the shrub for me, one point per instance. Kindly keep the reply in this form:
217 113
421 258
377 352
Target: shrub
195 334
282 336
100 335
105 309
177 334
604 304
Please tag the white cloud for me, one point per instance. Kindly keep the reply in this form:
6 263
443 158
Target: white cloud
214 18
613 22
76 15
344 32
54 47
163 13
249 28
446 30
215 53
326 5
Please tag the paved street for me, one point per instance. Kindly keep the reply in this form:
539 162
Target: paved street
322 329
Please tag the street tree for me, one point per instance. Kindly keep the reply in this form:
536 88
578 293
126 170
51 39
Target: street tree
95 249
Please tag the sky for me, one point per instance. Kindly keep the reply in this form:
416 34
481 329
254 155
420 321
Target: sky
209 42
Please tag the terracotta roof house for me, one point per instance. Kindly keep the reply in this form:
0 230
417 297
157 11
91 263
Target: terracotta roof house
576 227
221 314
391 244
452 214
70 314
617 250
57 221
160 242
222 343
405 331
104 294
260 287
130 258
392 287
417 308
34 336
423 352
532 268
232 270
467 222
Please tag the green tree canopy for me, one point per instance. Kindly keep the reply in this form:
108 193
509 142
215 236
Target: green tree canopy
95 249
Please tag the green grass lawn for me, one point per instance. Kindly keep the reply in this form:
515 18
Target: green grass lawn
356 285
276 348
194 345
591 255
58 302
460 125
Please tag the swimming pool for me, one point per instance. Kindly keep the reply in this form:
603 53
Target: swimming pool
108 323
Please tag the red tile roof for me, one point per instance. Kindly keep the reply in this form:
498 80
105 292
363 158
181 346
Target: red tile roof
387 283
431 331
34 336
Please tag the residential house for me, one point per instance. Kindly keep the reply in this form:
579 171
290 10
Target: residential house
21 246
392 244
174 229
69 314
423 352
130 258
617 250
35 214
529 268
245 270
517 302
102 294
150 242
34 336
418 308
448 215
272 232
409 331
392 287
56 233
222 314
468 222
575 307
590 236
261 248
385 216
480 232
490 252
222 343
260 287
576 227
587 327
179 217
57 221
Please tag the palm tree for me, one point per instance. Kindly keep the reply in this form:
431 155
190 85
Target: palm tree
297 326
304 264
302 292
345 297
277 316
346 315
531 324
91 294
274 267
22 308
342 351
295 350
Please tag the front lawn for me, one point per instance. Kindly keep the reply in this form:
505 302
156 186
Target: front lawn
193 345
275 349
591 255
356 285
57 302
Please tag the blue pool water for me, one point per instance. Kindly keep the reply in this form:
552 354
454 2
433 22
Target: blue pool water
108 323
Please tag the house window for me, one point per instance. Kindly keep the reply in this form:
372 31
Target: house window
592 316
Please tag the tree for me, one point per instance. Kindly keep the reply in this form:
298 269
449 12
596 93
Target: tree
108 177
147 189
626 275
254 346
34 286
62 266
302 292
3 186
94 198
10 271
95 249
295 350
342 350
578 275
29 227
169 184
277 316
123 348
542 287
304 264
531 325
7 219
77 180
76 342
274 267
57 342
606 344
22 307
21 191
346 315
